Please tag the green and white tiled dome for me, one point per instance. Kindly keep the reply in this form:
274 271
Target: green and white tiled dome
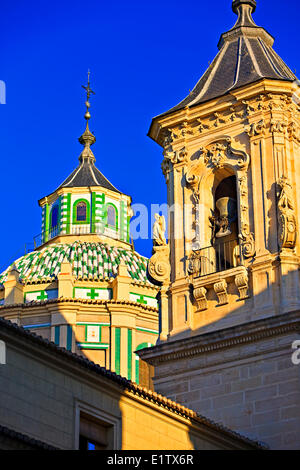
92 261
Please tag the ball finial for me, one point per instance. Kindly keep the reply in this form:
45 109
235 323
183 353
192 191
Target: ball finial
237 3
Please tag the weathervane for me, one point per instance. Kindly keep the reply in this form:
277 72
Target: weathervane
89 92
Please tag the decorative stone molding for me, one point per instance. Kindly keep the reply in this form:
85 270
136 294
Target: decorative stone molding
271 327
246 237
256 128
241 282
221 153
177 156
194 263
202 126
286 217
220 289
293 131
159 264
247 241
278 127
200 297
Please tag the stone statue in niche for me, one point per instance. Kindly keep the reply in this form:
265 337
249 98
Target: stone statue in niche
159 229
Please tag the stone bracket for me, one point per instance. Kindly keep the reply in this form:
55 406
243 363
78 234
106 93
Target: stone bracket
220 289
241 282
200 297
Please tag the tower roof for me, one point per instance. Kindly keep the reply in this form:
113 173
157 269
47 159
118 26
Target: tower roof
245 56
86 174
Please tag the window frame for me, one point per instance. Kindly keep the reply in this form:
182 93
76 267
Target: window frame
87 221
101 415
116 226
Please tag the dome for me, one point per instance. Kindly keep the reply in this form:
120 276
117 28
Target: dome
91 261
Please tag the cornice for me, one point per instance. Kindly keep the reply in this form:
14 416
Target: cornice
71 301
222 339
228 104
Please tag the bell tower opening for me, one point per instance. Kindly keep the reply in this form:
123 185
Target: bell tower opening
225 225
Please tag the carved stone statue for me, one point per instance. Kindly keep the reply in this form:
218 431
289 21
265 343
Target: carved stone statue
286 217
159 229
159 264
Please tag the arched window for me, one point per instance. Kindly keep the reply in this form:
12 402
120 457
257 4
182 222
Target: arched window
111 216
54 217
81 212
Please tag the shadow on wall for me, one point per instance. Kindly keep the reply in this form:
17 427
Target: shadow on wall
235 367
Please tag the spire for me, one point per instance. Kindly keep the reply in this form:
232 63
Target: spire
245 25
245 56
87 139
86 174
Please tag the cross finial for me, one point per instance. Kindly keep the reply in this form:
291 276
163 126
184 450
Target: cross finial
88 89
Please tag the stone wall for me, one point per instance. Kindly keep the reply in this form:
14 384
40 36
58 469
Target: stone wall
253 388
44 389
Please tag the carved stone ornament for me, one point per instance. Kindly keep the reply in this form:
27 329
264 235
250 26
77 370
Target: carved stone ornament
220 289
241 282
278 126
177 156
256 128
159 264
286 217
221 153
246 237
200 297
194 264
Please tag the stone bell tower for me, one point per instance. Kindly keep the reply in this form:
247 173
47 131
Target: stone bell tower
232 167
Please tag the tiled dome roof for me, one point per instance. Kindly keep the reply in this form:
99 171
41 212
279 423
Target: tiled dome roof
92 261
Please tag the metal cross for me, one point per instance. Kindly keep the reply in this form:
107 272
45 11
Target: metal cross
87 88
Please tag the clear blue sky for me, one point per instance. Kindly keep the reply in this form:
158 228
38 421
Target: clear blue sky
144 57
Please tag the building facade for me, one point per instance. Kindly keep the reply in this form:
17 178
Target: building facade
52 399
231 298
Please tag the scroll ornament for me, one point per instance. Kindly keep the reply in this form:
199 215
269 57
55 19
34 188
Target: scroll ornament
286 217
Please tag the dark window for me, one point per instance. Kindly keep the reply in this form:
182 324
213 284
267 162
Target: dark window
111 216
54 217
81 212
95 434
86 444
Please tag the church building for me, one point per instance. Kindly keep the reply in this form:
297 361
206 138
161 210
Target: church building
210 322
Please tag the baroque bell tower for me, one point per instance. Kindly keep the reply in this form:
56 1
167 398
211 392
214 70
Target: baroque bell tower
232 168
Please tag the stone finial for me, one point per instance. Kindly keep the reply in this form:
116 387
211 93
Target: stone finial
123 269
13 273
13 288
65 280
121 283
237 3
